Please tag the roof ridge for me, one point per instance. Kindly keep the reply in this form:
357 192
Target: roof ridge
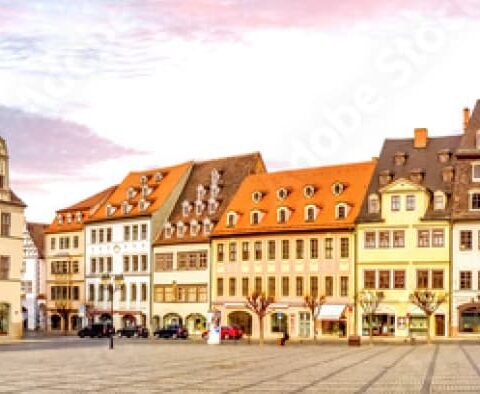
239 156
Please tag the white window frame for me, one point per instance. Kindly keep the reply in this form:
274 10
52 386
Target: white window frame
315 212
474 164
337 210
373 198
232 218
436 206
287 215
408 198
470 200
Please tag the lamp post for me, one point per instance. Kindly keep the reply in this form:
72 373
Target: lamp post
113 282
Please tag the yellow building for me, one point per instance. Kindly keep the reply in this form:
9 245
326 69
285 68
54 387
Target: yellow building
403 234
65 257
12 224
289 235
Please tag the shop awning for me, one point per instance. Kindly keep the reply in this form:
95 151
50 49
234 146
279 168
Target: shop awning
331 312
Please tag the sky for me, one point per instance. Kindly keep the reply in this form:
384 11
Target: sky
93 89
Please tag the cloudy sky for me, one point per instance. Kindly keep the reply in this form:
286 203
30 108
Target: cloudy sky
92 89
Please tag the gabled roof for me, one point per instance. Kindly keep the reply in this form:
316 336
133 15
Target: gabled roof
37 233
159 192
232 171
423 159
468 144
85 207
355 177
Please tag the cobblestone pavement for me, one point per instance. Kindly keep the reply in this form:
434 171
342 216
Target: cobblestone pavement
168 366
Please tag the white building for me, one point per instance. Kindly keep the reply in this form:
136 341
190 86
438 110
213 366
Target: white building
34 277
119 240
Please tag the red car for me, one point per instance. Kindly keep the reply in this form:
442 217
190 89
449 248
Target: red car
228 332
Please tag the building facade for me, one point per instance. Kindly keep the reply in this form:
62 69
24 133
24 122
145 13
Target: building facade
12 225
403 234
65 264
288 235
119 239
181 274
34 278
466 230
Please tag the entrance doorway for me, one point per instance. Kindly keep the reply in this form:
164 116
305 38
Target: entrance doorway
242 320
440 325
304 324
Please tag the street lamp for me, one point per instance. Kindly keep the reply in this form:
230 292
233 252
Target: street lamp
114 282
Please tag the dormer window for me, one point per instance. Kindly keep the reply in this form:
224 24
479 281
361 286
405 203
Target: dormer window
194 228
416 175
110 210
373 204
59 219
338 188
168 230
69 218
439 201
201 192
79 217
199 207
444 156
143 205
448 174
131 193
385 178
341 211
158 177
309 191
282 215
186 209
207 226
257 196
214 191
255 217
232 219
146 191
212 206
126 208
143 180
180 229
215 177
400 158
282 193
310 213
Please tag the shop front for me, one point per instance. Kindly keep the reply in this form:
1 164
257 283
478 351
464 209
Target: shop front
469 318
333 320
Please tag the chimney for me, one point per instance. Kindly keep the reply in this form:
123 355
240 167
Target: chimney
466 118
421 138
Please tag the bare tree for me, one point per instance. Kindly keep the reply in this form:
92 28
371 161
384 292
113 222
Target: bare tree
314 304
428 301
258 303
369 301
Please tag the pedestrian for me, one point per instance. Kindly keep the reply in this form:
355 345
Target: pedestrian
284 339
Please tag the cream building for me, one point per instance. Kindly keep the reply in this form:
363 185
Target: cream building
12 225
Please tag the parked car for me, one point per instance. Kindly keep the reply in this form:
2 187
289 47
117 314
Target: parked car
133 331
172 331
97 330
227 332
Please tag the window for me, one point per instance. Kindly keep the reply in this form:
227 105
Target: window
144 262
282 193
231 219
399 239
310 213
123 293
100 235
285 249
279 322
438 238
329 286
126 233
126 263
258 250
437 279
465 240
232 284
109 234
258 284
338 188
271 286
329 248
344 286
91 292
144 232
370 240
271 250
439 201
109 264
282 215
163 262
341 211
384 239
192 261
233 251
475 201
369 279
373 204
220 287
6 224
422 279
384 279
220 253
135 263
411 203
399 279
309 191
299 248
344 248
255 218
4 267
314 286
314 248
135 233
101 267
285 286
465 280
75 242
93 265
185 209
133 292
101 292
396 204
476 172
144 292
423 237
244 287
257 196
245 251
299 286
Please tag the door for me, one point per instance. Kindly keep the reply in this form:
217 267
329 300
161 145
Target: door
440 325
304 325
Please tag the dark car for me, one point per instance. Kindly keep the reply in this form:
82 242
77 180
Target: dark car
97 330
133 331
227 332
173 332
